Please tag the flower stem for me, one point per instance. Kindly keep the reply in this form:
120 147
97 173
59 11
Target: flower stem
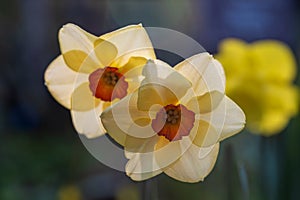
269 168
228 171
243 177
150 189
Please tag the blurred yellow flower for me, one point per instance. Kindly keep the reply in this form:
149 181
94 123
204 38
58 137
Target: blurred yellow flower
89 73
174 122
69 193
259 78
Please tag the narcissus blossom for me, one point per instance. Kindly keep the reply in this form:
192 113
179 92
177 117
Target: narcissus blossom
89 74
175 120
259 78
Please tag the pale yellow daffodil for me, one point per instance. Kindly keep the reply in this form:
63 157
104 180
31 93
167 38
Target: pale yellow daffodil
259 78
89 73
175 120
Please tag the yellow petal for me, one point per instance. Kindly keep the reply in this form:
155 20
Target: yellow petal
234 120
233 46
271 123
227 119
123 119
82 98
112 128
167 152
236 48
79 61
239 68
132 129
141 158
72 37
163 84
143 176
60 81
204 72
281 98
139 145
74 59
105 51
132 63
194 165
88 122
275 60
132 71
76 45
159 95
131 41
205 103
281 103
203 134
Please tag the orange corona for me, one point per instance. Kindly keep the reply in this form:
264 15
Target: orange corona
108 84
173 122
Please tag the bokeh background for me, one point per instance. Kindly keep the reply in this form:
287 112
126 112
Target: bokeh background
41 155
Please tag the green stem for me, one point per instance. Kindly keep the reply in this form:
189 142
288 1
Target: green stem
228 171
269 168
150 189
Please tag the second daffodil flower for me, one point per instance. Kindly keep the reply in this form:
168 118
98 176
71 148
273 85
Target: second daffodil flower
174 121
89 74
260 79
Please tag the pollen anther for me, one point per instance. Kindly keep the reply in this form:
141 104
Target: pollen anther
172 116
173 122
111 78
108 83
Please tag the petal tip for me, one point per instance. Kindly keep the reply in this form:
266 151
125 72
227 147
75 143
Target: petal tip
67 25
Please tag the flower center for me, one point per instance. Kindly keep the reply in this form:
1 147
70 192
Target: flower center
173 122
173 116
111 78
108 84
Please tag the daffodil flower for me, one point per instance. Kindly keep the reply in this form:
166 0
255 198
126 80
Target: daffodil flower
89 74
259 78
175 120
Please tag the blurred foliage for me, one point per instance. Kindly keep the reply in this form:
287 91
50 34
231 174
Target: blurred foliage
29 164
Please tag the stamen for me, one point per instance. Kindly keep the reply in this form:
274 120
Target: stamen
111 78
169 123
108 84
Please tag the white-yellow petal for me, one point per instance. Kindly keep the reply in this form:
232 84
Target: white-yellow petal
167 152
72 37
76 47
163 84
132 71
105 51
204 72
204 103
131 41
60 79
143 176
123 119
141 164
82 98
235 119
81 62
139 145
227 119
88 122
194 165
203 134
